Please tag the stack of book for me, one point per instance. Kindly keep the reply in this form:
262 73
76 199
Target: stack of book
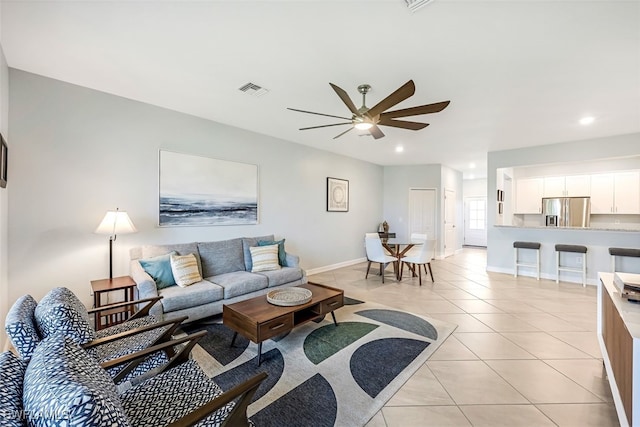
629 284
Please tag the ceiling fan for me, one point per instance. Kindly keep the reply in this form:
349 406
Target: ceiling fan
366 118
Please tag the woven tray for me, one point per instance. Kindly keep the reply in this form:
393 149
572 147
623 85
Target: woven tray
289 297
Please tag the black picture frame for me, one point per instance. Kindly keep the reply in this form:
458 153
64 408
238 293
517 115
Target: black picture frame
337 195
500 196
4 161
500 208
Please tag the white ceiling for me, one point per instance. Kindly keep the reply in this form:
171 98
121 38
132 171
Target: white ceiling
518 73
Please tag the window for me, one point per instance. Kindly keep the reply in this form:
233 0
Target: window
477 214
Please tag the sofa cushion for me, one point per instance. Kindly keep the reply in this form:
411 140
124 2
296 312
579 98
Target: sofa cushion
264 258
177 298
181 248
12 372
239 283
248 242
185 269
221 257
63 385
61 311
159 268
282 255
21 328
282 276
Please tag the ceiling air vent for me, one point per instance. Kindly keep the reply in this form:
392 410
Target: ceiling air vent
253 89
414 5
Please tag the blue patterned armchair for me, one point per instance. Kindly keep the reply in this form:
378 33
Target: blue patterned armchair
63 385
60 310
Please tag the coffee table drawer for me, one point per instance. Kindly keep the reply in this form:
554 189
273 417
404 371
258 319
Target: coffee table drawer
275 327
331 304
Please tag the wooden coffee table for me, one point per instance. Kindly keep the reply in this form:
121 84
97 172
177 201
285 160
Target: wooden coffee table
258 320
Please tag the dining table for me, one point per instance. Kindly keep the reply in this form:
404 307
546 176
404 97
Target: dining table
398 247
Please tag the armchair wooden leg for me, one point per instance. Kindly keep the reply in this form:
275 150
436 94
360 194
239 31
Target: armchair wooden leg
368 267
382 271
419 274
401 269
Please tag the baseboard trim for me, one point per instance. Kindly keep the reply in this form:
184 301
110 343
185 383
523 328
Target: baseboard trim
335 266
547 276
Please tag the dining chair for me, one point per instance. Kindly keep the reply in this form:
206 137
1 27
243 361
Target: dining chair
375 253
419 258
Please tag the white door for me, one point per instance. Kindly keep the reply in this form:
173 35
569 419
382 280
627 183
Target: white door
475 221
422 214
449 222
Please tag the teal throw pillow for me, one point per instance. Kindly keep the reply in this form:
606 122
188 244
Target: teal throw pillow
159 268
282 255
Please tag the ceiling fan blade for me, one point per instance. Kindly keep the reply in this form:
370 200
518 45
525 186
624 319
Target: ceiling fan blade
404 92
375 132
345 98
325 126
319 114
415 111
336 137
402 124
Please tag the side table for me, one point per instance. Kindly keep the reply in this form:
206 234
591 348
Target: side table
118 315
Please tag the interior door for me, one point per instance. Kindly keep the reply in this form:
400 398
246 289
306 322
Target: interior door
449 222
475 221
422 214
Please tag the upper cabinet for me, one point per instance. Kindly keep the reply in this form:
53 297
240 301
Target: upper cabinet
615 193
529 195
567 186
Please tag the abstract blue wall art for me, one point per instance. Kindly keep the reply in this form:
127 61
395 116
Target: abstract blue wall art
201 191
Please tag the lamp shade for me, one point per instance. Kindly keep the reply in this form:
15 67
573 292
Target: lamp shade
116 222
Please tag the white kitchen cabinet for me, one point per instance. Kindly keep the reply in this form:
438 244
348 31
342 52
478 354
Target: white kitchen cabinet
567 186
529 195
615 193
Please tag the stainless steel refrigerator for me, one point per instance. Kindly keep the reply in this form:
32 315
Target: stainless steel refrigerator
566 211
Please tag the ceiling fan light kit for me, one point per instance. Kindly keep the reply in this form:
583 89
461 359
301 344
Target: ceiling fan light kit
365 118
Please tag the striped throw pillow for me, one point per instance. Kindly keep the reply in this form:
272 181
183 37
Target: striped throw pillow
185 269
264 258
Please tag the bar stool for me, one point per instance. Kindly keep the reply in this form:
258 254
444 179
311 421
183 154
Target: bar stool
614 252
526 245
574 249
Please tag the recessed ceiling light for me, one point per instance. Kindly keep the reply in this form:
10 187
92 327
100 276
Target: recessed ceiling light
399 149
587 120
472 165
471 176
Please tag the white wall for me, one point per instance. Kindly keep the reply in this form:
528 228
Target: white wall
77 153
500 239
474 188
4 195
397 182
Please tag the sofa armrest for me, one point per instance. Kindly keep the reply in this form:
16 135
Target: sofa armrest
146 287
292 260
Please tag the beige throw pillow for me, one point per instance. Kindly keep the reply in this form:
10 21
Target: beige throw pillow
185 269
264 258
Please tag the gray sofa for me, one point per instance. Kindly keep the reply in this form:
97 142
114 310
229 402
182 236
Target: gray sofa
225 267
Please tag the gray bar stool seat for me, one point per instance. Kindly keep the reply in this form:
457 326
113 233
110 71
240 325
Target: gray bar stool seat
574 249
517 263
626 252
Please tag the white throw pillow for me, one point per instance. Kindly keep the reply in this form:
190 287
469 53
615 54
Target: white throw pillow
185 269
264 258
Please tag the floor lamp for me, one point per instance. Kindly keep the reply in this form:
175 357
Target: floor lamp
114 223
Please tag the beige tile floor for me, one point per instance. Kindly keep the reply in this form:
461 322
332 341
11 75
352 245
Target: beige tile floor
525 352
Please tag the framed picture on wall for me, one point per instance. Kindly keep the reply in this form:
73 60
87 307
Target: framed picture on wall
337 195
4 161
202 191
500 208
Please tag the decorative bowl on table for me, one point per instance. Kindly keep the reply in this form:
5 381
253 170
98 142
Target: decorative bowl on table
289 296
